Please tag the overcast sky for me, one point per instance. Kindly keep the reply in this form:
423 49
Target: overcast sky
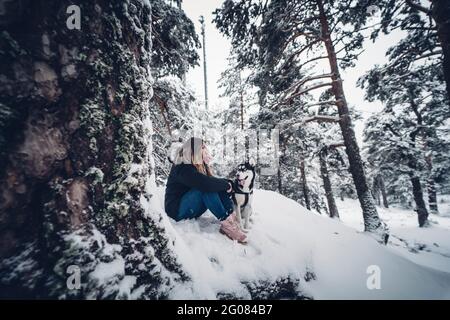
217 49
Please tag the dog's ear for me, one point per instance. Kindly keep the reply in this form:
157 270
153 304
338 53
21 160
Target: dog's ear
252 162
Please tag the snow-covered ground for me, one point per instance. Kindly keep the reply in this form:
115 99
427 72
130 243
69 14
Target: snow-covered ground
425 246
287 241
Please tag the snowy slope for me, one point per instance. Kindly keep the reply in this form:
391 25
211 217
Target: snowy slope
287 241
426 246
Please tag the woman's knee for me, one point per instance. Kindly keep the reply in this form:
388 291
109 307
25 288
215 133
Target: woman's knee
211 196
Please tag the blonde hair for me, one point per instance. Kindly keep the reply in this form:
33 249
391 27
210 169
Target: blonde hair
191 153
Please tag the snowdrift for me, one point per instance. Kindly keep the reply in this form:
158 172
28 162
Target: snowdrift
316 256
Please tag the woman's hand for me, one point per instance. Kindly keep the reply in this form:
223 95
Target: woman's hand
230 188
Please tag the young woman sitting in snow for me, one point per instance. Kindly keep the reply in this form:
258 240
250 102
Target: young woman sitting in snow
191 190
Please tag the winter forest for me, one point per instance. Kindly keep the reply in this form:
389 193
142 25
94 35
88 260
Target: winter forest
341 106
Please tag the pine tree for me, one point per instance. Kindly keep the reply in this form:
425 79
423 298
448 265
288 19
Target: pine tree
173 109
175 45
76 154
402 137
427 28
175 41
273 35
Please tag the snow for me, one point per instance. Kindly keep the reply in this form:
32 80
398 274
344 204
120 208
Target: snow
429 247
107 270
287 241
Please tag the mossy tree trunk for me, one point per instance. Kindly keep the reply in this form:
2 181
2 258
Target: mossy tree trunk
76 162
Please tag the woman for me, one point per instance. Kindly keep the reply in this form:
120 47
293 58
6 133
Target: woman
191 190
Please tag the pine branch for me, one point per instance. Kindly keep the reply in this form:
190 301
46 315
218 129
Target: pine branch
320 85
322 118
336 145
299 52
311 60
296 86
433 53
321 103
418 7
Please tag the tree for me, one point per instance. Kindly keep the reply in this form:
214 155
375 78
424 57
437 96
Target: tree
175 41
415 106
427 29
237 88
175 45
379 187
277 35
332 209
173 109
76 155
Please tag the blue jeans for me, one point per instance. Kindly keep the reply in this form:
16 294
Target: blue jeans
195 202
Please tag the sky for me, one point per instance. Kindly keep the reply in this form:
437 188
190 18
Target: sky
217 49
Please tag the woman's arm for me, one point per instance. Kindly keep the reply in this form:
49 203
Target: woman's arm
190 177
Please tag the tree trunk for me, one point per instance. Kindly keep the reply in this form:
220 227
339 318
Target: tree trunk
382 188
432 198
376 191
241 98
279 180
304 185
440 12
76 160
332 208
422 213
372 222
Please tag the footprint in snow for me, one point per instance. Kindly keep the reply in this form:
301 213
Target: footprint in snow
216 263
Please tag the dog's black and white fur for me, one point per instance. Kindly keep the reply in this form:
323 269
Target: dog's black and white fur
243 192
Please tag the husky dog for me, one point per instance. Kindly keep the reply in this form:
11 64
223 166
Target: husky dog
243 192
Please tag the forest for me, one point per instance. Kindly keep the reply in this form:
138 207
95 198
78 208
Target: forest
96 98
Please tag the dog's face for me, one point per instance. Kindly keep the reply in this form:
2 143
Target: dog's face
246 175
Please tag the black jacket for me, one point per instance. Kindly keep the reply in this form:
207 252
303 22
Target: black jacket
184 177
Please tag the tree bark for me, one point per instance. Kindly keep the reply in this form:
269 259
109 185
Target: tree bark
372 222
432 198
440 11
279 180
376 191
304 185
383 192
332 208
422 212
76 158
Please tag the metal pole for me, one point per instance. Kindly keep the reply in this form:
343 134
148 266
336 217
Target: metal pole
202 21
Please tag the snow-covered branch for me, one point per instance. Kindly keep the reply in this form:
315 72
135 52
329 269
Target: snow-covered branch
306 90
418 7
320 103
320 118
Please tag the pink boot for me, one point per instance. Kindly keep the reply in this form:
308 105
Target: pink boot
230 228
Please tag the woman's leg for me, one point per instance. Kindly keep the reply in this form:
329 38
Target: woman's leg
195 202
218 203
225 197
191 205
